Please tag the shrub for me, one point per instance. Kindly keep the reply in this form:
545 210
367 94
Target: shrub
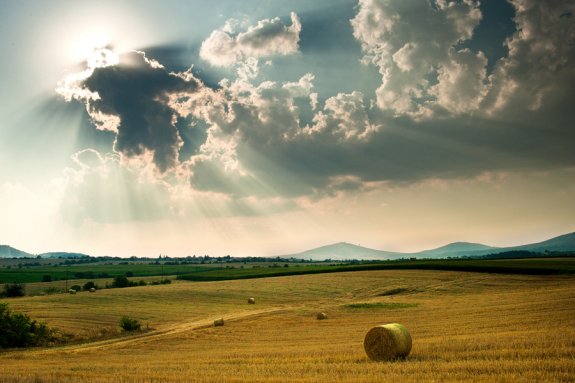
129 324
46 278
19 330
89 285
14 290
142 283
121 281
53 290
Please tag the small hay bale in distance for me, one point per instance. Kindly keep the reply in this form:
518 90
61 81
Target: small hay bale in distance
251 301
92 290
72 291
219 322
321 316
387 342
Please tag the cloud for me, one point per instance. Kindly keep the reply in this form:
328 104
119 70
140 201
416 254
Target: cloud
413 44
128 96
345 117
437 113
269 37
540 61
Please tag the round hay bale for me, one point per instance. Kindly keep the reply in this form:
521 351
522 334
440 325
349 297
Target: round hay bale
219 322
252 301
72 291
387 342
321 316
92 290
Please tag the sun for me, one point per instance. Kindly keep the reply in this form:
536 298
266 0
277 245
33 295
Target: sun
85 44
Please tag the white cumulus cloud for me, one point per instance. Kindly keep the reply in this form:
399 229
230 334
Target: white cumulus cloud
269 37
412 42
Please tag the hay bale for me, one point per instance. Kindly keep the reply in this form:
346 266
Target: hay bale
92 290
72 291
321 316
387 342
252 301
219 322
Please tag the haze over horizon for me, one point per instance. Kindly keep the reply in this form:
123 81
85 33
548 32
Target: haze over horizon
262 128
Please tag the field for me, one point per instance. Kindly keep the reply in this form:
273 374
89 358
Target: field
247 270
466 327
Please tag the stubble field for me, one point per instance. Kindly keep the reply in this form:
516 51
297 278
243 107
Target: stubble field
466 327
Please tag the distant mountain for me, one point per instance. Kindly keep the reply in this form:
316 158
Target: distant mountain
10 252
562 243
60 254
344 251
457 249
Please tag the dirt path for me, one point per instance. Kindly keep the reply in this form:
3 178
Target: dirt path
155 335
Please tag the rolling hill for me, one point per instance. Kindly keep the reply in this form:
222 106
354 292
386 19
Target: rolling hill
10 252
457 249
562 243
346 251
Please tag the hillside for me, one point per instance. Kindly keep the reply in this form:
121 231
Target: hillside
562 243
10 252
345 251
457 249
465 327
60 254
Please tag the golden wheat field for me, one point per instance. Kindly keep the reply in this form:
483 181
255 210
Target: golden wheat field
466 327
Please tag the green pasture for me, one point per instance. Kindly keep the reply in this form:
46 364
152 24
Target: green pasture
533 266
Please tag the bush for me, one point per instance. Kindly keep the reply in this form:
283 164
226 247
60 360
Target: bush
14 290
76 287
19 330
89 285
129 324
53 290
121 281
46 278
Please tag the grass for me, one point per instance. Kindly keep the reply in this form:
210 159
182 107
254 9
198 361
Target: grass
214 272
539 266
380 305
94 271
466 327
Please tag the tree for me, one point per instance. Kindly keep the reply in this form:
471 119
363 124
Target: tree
19 330
76 287
121 281
14 290
89 285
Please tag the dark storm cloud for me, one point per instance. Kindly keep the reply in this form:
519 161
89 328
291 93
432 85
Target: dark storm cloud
136 91
248 138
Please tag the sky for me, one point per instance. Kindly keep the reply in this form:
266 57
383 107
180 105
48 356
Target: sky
269 127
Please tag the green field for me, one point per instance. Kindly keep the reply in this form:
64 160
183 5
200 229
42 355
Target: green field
538 266
220 272
94 271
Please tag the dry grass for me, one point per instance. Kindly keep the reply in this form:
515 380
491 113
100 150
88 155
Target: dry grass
465 328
